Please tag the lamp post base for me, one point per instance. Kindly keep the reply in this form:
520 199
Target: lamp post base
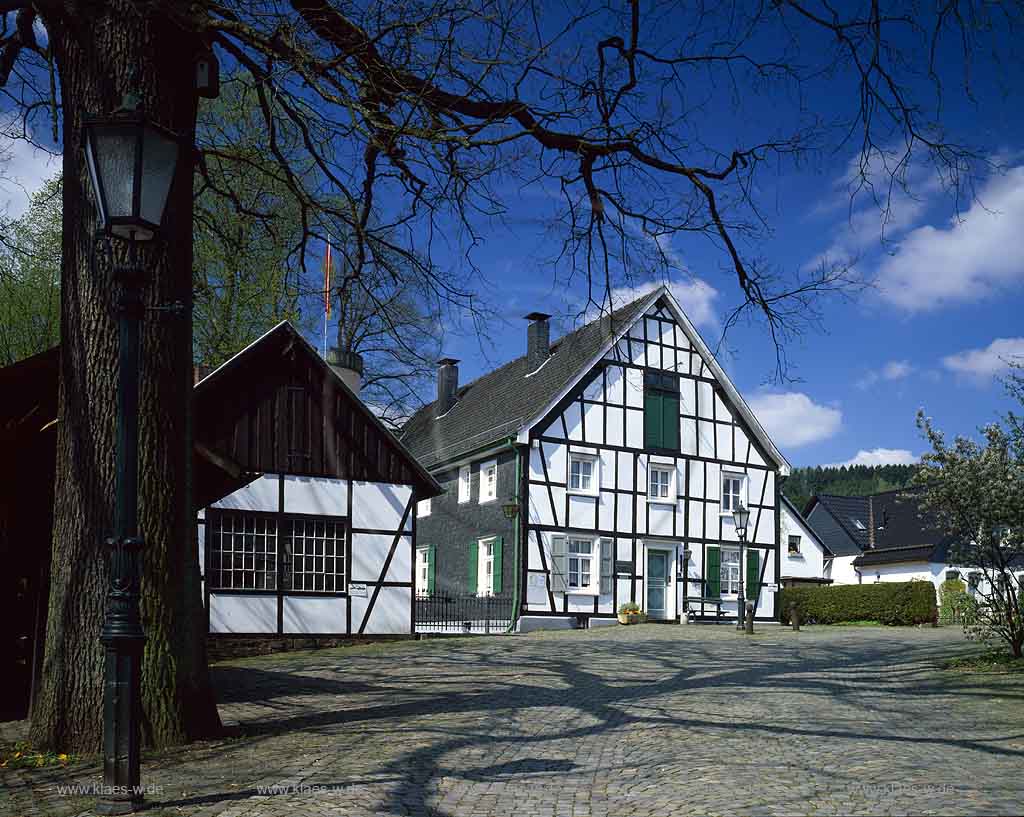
114 805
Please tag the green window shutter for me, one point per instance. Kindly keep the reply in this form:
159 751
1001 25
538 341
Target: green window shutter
474 566
753 574
670 421
607 546
496 566
653 419
713 574
557 567
431 558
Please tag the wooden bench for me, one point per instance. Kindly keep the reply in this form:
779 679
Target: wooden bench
705 601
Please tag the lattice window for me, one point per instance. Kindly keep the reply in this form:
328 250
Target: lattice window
242 551
313 554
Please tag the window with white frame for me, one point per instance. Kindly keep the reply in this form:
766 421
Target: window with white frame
485 567
734 491
242 551
464 474
582 474
313 554
582 561
489 481
730 571
423 571
661 483
794 545
423 508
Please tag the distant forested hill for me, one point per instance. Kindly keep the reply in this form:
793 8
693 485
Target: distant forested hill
856 480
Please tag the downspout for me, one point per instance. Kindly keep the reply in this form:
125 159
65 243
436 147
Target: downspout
516 525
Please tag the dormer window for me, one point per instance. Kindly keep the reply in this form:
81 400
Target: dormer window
858 524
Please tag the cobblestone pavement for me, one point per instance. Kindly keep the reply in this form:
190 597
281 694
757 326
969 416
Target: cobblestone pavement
648 720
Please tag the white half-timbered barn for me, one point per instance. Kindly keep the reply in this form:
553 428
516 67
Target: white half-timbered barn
630 448
321 541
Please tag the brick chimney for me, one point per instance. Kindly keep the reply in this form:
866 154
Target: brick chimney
538 340
447 384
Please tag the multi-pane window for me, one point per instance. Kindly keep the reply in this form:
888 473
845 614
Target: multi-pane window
242 551
422 571
659 481
313 554
732 492
582 477
423 508
794 545
485 568
730 570
464 475
580 559
489 481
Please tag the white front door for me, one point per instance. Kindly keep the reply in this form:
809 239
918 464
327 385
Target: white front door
659 583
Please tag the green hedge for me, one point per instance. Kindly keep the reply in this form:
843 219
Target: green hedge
884 602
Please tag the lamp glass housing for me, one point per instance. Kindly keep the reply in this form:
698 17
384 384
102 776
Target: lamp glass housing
740 518
131 166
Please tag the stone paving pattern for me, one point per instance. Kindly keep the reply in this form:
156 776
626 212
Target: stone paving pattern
648 720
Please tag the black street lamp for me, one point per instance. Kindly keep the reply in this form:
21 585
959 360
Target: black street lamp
131 167
740 519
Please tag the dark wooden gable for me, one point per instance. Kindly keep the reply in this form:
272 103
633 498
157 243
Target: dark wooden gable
278 408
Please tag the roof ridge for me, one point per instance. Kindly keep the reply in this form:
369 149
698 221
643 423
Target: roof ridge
556 342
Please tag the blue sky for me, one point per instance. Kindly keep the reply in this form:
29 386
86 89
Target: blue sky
943 313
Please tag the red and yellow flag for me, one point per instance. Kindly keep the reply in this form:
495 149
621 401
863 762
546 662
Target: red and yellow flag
327 281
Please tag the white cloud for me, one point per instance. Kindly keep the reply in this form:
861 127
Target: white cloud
696 297
879 456
983 364
23 169
792 419
893 370
965 260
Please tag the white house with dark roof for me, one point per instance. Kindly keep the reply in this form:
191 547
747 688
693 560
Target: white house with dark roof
599 469
804 558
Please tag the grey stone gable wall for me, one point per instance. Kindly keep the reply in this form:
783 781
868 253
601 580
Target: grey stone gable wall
451 526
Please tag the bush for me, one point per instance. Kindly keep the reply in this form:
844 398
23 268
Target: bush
953 601
884 602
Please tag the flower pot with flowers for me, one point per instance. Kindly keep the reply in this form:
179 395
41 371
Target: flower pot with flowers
630 613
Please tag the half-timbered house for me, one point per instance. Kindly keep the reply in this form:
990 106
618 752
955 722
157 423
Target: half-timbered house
322 540
620 452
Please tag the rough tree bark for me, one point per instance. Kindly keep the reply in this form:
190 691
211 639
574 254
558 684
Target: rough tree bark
102 51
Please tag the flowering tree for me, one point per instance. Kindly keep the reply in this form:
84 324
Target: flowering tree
977 492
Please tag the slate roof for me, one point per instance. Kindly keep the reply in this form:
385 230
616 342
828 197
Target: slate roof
904 530
848 539
497 404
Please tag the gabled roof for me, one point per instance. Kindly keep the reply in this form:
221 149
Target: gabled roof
850 513
903 530
259 356
800 518
510 400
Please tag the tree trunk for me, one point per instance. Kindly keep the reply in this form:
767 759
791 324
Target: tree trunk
103 52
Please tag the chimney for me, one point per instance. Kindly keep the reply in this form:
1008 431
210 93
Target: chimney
447 384
199 372
538 340
349 367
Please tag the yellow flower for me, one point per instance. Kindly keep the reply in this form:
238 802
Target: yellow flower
63 758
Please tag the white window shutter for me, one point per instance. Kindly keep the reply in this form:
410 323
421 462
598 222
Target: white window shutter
558 567
607 551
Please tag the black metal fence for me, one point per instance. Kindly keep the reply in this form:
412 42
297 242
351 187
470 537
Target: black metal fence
463 614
